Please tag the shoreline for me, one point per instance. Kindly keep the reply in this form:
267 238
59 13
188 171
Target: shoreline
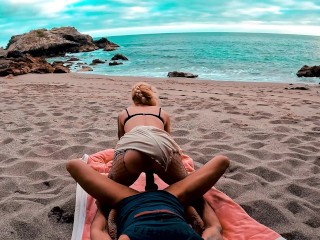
270 134
90 75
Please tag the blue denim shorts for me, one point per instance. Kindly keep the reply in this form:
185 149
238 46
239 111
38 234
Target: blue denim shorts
160 226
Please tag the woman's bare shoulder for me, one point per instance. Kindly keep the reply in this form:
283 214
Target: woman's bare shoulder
122 115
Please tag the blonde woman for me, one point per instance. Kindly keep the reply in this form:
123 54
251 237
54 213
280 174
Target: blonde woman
145 144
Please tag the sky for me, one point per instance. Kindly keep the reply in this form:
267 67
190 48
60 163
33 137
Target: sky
103 18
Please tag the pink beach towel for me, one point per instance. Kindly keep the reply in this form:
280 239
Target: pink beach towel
236 223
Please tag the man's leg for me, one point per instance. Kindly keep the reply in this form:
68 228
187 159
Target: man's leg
105 190
199 182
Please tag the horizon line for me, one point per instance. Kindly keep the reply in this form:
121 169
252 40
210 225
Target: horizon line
122 32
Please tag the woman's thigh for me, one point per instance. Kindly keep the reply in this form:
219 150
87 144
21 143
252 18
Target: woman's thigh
175 172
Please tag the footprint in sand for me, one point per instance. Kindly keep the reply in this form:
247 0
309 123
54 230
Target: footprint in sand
267 174
268 213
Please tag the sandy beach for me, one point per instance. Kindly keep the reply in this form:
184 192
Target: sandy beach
270 133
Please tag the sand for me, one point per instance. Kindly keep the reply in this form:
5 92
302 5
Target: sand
271 135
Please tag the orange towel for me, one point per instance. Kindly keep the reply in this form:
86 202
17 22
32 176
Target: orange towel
236 223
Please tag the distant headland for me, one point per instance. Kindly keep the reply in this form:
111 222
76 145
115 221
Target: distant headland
26 53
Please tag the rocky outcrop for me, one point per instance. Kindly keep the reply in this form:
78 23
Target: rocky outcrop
119 57
55 42
50 43
106 44
23 65
25 53
307 71
181 74
28 64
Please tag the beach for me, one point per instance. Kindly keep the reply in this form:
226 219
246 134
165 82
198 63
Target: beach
270 132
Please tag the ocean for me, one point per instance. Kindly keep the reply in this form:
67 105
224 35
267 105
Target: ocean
252 57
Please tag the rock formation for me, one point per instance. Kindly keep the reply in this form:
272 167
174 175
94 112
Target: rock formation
25 53
106 44
23 65
55 42
181 74
307 71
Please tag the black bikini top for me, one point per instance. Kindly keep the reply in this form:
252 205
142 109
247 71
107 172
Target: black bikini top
137 114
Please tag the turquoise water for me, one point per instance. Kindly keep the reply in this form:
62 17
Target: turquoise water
218 56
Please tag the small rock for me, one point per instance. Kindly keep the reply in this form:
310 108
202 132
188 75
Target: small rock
96 61
61 69
73 59
181 74
297 88
85 69
115 63
119 57
10 76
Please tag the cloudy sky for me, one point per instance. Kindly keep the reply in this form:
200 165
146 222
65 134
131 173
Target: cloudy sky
123 17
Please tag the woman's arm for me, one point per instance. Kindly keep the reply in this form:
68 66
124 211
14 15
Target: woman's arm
212 225
167 122
121 131
98 227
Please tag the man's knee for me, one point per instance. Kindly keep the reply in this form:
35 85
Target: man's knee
224 161
72 164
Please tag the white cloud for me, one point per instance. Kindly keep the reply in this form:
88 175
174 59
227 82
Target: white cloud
91 8
134 12
253 12
308 6
299 5
48 8
126 1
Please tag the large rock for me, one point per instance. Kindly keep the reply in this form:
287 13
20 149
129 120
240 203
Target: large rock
106 44
23 65
307 71
50 43
181 74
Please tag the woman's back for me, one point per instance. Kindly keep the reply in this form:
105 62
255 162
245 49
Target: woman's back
143 116
145 111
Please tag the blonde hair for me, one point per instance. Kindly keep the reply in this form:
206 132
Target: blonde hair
145 94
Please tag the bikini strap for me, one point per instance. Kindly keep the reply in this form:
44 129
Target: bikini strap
127 112
159 111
